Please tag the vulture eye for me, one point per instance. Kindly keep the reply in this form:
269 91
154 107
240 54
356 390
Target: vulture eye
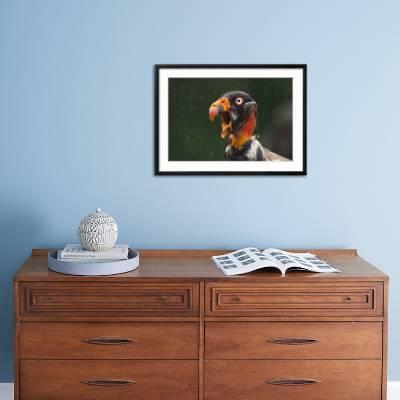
239 101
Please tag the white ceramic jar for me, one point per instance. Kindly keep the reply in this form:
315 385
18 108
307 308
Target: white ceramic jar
98 231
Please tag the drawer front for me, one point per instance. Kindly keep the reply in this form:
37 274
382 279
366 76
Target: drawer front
65 299
112 340
294 300
293 380
293 340
105 380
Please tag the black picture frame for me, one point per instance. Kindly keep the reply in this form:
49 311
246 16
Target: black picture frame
158 171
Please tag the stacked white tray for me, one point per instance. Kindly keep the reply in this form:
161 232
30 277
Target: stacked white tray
93 268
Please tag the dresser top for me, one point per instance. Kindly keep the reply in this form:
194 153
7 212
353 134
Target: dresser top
196 265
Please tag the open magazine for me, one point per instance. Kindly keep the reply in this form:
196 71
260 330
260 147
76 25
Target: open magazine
249 259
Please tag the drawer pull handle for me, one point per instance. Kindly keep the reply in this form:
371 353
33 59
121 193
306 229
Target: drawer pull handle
163 299
108 340
293 381
236 299
292 340
107 382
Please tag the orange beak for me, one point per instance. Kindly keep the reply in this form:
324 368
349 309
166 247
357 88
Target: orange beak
222 106
217 107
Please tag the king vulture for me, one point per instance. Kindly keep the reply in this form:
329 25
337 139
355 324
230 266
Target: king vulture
238 113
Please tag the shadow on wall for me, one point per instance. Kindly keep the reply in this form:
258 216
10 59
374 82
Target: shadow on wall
20 230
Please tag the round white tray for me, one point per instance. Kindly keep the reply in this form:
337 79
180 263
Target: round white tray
93 268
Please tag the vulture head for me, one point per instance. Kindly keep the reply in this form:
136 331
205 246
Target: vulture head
238 112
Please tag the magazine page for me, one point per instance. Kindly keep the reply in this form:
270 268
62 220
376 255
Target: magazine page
243 261
305 261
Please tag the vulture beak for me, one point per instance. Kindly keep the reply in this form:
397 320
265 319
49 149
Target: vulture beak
222 106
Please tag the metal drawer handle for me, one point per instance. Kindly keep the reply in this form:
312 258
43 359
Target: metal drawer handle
108 340
293 381
163 299
292 340
107 382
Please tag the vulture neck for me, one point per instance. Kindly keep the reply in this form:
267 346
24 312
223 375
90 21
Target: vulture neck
244 133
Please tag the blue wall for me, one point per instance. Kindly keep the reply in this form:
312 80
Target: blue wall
76 130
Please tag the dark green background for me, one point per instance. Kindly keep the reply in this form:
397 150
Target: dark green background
193 137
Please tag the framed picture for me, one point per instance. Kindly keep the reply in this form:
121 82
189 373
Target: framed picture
230 119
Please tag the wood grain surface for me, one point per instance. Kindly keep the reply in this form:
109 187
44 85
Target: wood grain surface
293 340
115 340
188 265
336 379
63 380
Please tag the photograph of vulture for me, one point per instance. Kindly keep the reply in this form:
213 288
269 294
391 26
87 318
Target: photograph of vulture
255 120
209 117
238 112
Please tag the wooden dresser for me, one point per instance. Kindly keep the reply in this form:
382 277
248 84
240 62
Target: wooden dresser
178 329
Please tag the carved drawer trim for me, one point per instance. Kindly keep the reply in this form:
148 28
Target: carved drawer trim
87 299
294 300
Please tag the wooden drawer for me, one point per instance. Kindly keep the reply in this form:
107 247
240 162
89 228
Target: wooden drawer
293 340
92 299
114 340
105 380
293 380
229 299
